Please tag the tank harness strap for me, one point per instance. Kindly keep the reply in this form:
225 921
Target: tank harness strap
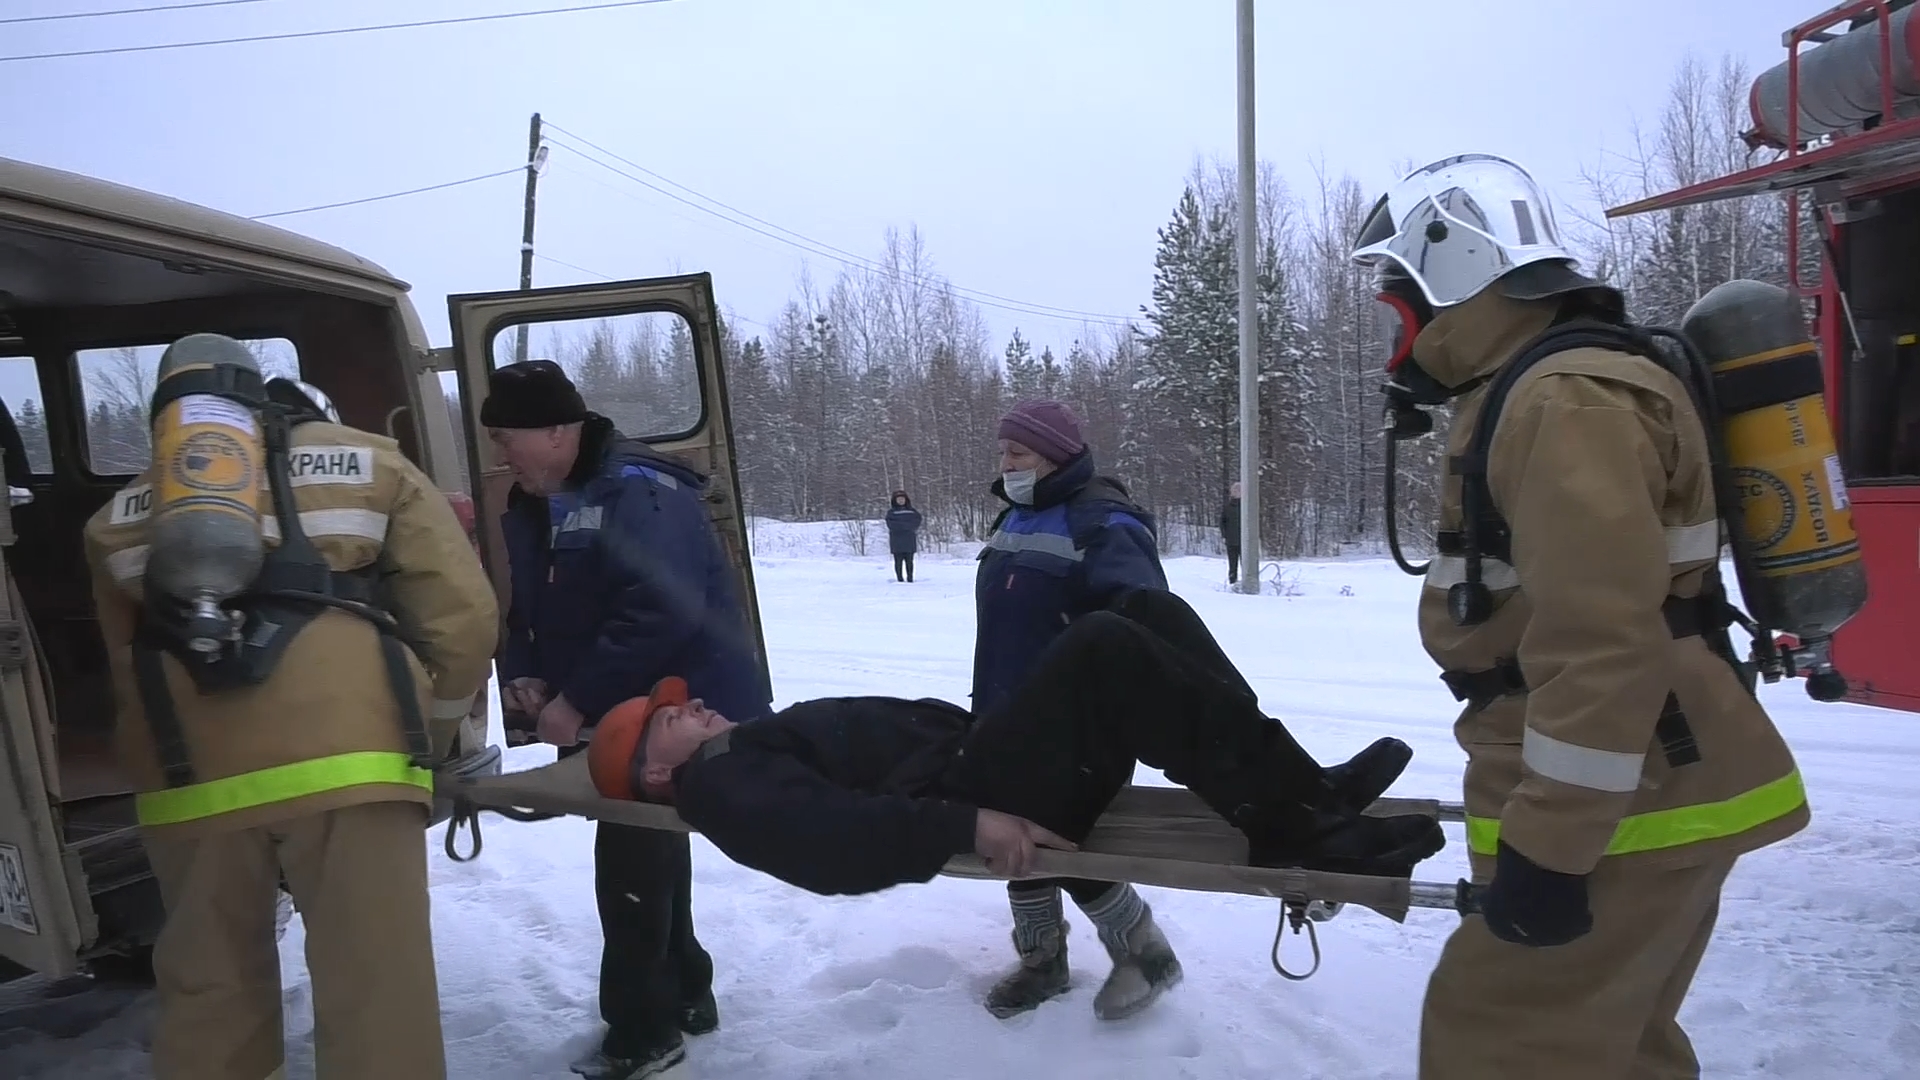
1688 616
295 585
236 384
169 738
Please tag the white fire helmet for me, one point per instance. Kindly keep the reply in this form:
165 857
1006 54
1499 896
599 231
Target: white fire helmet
278 388
1458 225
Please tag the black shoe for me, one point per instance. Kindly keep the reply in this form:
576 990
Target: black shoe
701 1017
1361 781
1350 844
599 1065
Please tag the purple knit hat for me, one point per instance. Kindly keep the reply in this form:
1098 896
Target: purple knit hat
1048 428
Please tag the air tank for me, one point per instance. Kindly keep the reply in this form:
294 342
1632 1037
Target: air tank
1803 573
205 543
1839 82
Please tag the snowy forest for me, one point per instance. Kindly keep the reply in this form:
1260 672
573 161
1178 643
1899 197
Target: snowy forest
887 377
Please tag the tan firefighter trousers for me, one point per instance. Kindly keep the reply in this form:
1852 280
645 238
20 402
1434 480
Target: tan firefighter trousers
358 876
1603 1007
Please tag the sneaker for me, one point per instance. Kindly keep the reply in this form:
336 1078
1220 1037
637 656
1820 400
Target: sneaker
599 1065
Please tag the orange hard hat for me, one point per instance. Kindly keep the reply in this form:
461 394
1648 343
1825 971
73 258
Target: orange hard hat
618 748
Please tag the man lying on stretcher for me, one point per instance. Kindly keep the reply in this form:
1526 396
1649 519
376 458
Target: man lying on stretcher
842 796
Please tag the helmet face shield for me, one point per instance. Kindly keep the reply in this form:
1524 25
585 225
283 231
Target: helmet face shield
1457 225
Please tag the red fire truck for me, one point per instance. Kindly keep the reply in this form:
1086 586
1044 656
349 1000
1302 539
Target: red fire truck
1842 115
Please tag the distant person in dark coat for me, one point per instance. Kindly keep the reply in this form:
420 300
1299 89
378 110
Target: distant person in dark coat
618 580
903 535
1230 531
846 796
1069 542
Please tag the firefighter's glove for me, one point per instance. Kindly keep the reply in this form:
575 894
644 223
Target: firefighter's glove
1527 904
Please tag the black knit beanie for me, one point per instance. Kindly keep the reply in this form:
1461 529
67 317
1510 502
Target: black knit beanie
531 394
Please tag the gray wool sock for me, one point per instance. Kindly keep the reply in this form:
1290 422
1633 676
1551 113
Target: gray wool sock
1035 912
1115 914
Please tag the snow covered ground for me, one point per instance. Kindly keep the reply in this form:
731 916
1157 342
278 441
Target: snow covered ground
1815 973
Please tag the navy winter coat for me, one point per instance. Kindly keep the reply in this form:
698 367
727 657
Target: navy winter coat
1082 543
903 529
622 581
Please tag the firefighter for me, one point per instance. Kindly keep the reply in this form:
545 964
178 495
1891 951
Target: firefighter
1617 761
301 744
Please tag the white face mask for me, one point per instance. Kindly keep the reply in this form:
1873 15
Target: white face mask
1019 485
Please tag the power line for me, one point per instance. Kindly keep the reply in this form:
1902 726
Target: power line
816 247
390 195
126 11
730 316
830 251
334 32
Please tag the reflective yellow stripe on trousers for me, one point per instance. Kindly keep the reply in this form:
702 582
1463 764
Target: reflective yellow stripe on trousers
278 784
1660 829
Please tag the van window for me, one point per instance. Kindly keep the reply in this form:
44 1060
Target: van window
638 370
116 386
20 389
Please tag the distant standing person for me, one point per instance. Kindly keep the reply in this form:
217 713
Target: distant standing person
903 535
1230 531
1069 543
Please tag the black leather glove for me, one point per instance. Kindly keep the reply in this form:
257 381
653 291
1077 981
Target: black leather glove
1527 904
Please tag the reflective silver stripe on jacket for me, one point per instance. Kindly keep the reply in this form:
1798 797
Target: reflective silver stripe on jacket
1044 543
1581 766
1685 544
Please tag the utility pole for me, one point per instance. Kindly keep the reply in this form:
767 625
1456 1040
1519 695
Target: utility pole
1249 318
536 161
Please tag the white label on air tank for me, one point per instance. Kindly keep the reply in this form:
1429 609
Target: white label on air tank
330 465
207 409
1837 483
131 504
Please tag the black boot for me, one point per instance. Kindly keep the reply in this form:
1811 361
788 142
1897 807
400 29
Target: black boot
1363 778
1338 842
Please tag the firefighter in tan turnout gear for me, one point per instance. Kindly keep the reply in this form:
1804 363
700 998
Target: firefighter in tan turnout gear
285 677
1618 762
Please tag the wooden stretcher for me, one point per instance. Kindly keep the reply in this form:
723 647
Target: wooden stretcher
1149 836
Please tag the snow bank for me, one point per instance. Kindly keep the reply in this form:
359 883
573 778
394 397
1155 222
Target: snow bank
1815 972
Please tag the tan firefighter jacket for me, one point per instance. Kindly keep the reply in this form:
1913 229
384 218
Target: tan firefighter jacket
1600 467
324 730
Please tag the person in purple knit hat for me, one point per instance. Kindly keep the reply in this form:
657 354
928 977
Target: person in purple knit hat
1069 543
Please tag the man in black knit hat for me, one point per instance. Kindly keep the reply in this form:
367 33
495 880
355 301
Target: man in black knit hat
618 580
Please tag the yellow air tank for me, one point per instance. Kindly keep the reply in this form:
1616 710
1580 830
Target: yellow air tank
1805 575
209 483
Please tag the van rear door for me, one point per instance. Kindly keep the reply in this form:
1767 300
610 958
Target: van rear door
39 919
644 353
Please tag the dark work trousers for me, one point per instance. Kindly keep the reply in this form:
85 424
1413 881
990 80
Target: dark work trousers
903 563
651 964
1233 565
1142 682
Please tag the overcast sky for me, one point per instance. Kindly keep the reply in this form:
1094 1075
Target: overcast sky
1036 143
